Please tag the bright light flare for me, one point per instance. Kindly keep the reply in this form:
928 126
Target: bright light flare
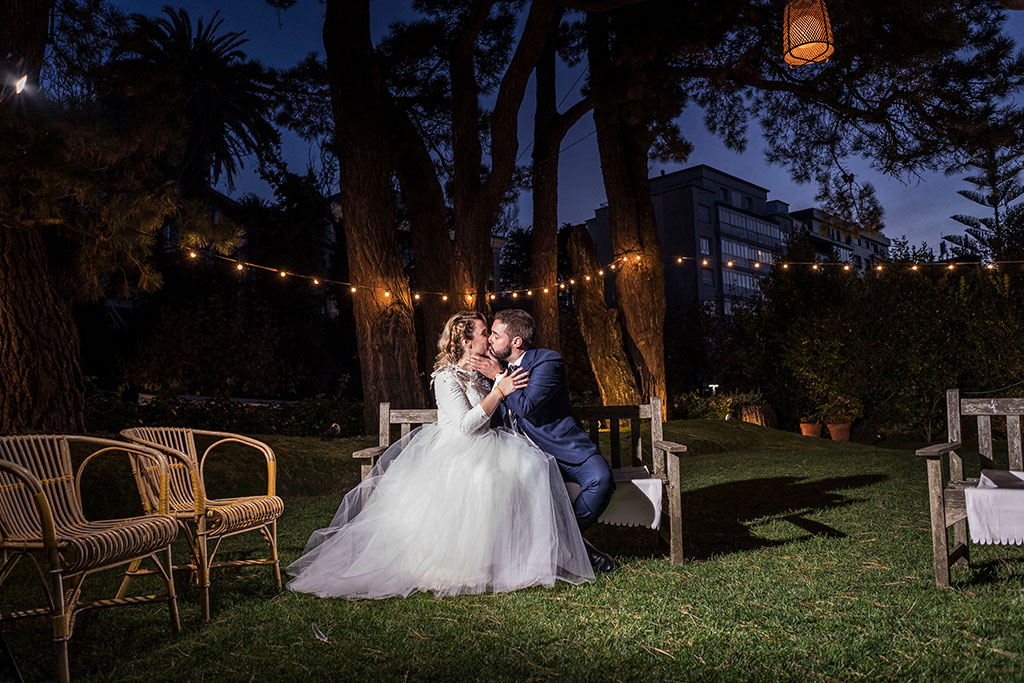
19 84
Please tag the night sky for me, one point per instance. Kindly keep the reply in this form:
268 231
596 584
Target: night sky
916 208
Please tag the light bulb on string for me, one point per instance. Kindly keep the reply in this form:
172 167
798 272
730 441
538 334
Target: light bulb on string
515 295
284 274
612 266
913 267
572 281
239 267
757 264
679 260
353 290
878 268
316 281
704 262
950 266
991 266
493 297
529 293
846 266
387 295
729 264
444 297
192 254
636 258
561 286
785 266
600 272
469 298
814 267
19 84
416 296
588 278
545 290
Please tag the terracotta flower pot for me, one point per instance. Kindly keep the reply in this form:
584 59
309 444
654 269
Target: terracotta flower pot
839 432
810 428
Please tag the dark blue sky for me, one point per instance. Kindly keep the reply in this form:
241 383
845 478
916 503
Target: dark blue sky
917 208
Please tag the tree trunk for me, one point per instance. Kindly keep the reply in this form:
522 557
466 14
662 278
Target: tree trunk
624 141
546 140
40 358
600 326
385 330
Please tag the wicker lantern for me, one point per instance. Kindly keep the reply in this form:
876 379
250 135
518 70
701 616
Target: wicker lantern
807 33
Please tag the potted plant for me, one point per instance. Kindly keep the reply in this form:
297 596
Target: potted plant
839 413
810 424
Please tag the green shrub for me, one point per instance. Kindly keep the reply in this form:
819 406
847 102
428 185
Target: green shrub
308 417
720 406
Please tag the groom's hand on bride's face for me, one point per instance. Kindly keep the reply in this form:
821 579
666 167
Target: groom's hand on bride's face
488 367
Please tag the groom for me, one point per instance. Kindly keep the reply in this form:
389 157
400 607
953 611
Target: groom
542 412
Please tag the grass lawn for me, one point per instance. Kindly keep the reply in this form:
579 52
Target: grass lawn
806 559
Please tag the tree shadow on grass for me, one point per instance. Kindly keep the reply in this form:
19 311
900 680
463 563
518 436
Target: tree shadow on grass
716 519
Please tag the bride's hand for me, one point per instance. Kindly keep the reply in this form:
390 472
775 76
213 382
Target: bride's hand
509 382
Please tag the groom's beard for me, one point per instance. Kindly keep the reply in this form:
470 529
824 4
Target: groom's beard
499 355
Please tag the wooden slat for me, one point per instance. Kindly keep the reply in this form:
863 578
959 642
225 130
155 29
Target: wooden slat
984 443
992 406
595 431
385 424
417 416
616 446
606 412
406 428
636 446
1013 442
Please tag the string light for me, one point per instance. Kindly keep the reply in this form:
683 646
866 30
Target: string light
19 84
418 296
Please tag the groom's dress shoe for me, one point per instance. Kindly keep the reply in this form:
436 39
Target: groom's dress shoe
601 562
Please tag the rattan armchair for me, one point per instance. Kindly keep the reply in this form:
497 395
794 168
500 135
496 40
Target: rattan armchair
41 518
204 519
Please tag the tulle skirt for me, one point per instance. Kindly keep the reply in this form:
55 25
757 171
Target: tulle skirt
449 513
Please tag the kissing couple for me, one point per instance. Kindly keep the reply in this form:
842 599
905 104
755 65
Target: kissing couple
477 502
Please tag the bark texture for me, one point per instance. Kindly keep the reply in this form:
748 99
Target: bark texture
599 326
40 358
385 329
624 141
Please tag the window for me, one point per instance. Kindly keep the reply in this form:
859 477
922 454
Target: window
748 203
750 224
707 276
704 213
705 246
724 194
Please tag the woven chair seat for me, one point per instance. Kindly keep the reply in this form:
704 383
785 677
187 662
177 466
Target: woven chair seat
227 515
113 541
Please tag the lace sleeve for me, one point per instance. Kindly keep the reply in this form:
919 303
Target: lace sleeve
454 404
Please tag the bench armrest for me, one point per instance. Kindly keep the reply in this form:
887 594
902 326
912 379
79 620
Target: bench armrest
937 450
670 446
371 453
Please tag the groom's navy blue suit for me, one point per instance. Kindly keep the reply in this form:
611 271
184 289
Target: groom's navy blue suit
544 414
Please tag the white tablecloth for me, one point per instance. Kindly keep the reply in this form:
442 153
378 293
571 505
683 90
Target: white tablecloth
636 501
995 508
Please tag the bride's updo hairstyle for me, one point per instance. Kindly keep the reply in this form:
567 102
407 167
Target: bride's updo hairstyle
459 327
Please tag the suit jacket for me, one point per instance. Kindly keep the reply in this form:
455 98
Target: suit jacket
544 411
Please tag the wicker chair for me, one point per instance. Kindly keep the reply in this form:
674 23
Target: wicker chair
204 519
41 517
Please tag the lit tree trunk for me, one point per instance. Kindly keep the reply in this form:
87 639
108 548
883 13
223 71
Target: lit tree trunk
385 330
40 358
599 326
623 142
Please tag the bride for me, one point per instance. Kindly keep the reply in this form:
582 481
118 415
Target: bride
452 508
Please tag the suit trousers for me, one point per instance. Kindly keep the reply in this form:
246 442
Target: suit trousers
596 486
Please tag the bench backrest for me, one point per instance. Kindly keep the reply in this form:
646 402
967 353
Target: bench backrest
984 409
404 421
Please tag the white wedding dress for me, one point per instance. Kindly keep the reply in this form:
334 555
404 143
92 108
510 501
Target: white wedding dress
452 508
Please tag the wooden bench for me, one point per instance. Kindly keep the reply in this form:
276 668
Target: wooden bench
946 486
660 457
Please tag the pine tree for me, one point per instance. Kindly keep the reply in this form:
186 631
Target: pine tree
1000 236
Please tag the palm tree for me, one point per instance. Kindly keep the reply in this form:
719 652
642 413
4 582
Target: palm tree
194 96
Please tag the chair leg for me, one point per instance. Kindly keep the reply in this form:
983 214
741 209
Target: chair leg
129 573
203 570
937 509
675 510
960 539
172 597
272 533
60 619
